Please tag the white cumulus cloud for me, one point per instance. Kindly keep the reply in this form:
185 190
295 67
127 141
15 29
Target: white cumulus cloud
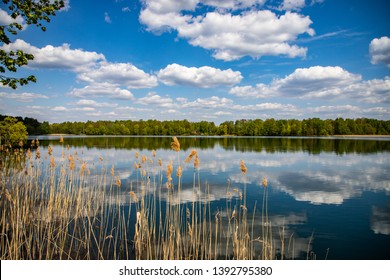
372 91
293 5
257 91
93 103
312 82
57 57
23 97
156 100
232 4
59 109
380 50
123 74
102 90
229 35
203 77
316 81
209 103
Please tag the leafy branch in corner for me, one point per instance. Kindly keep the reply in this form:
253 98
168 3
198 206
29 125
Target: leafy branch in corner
29 12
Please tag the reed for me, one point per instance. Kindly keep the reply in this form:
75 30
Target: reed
55 208
66 208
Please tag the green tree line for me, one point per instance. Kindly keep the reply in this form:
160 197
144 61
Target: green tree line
257 127
244 127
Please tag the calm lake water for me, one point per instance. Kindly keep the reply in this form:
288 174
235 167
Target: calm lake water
331 195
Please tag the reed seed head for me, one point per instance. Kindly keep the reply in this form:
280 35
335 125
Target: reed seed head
179 172
133 196
175 144
169 171
243 167
38 153
265 182
52 162
50 150
118 181
196 162
190 156
71 162
193 155
83 167
61 139
8 195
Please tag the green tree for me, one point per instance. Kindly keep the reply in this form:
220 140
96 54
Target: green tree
44 128
12 132
270 127
295 127
341 127
32 12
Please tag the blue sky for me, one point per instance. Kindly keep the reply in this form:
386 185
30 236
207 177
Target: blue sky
211 60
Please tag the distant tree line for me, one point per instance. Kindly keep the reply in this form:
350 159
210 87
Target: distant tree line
258 127
244 127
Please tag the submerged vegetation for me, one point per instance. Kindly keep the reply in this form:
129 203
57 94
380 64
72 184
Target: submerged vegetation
56 205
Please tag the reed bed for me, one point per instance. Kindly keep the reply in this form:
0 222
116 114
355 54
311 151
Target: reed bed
66 208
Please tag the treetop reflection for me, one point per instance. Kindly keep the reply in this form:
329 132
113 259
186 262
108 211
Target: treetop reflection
242 144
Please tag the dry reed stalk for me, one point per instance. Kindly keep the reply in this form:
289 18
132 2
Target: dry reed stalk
46 215
175 144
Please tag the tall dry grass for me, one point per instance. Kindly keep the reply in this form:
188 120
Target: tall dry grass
55 208
67 208
193 231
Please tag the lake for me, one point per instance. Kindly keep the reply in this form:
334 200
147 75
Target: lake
330 196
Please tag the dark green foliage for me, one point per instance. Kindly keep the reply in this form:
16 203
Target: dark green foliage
257 127
12 132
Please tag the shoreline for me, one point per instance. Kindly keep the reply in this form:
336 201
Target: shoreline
215 136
